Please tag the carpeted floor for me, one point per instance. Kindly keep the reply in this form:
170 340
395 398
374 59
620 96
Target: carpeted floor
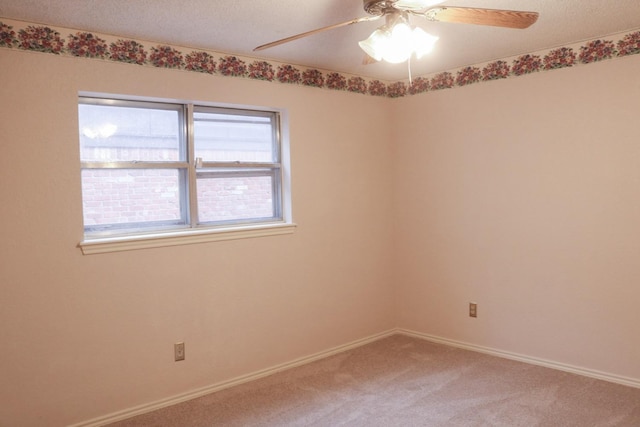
404 381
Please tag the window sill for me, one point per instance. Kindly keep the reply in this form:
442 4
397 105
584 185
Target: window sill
129 243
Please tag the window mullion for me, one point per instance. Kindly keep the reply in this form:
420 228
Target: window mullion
278 202
192 190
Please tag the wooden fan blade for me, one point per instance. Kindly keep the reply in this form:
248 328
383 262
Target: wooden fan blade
496 18
316 31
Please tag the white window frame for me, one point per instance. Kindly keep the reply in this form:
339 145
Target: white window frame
193 232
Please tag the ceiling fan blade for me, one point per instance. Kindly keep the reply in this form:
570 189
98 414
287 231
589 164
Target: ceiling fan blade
316 31
494 17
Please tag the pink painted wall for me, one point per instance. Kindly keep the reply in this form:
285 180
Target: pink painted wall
520 195
86 336
523 196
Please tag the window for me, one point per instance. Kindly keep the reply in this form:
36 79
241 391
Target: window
153 170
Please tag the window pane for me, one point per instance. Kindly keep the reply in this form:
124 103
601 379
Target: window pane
229 198
130 197
112 133
234 137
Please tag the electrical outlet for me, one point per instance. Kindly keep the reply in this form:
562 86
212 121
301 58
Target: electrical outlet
178 351
473 309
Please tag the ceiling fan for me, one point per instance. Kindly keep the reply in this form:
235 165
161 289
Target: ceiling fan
396 41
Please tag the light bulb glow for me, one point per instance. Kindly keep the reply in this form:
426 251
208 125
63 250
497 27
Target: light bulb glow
376 44
400 47
422 42
396 41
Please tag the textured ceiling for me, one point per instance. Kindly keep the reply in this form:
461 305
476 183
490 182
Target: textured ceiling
236 27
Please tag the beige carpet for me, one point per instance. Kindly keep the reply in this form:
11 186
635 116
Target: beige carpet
404 381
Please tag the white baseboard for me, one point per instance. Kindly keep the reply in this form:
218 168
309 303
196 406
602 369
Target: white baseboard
150 407
631 382
153 406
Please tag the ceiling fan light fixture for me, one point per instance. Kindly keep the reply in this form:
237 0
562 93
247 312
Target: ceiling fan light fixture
423 42
376 44
395 42
400 44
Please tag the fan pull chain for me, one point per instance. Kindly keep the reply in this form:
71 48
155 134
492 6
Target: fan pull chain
409 67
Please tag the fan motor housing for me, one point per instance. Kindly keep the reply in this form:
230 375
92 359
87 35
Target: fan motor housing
377 7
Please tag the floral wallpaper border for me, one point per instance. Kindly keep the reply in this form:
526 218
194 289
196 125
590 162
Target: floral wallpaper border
39 38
